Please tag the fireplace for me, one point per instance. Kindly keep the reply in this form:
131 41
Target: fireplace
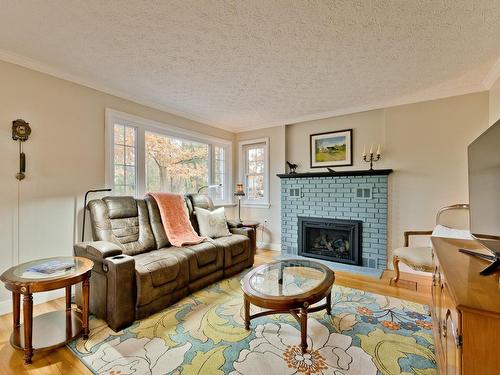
336 240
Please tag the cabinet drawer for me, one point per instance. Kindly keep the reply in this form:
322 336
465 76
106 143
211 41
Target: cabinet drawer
451 332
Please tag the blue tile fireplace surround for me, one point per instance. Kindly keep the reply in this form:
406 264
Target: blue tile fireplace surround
356 198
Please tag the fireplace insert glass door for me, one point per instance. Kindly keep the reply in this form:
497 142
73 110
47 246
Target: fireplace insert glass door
336 240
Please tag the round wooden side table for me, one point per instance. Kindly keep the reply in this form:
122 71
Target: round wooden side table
45 332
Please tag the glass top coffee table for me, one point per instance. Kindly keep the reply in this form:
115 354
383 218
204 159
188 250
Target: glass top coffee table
288 286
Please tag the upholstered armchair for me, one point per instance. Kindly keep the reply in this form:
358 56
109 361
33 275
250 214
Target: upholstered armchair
419 258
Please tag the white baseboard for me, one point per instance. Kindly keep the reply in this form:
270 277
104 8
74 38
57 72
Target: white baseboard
6 305
269 246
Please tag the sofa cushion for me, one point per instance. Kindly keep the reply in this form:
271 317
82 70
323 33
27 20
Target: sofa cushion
205 253
121 207
161 269
159 272
203 258
111 222
236 248
157 227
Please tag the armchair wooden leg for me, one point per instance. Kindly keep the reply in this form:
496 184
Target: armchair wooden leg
395 262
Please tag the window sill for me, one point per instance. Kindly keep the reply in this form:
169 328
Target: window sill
255 205
230 204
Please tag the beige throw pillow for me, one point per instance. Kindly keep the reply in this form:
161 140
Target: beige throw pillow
212 224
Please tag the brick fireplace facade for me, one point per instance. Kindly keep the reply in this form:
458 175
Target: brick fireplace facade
338 196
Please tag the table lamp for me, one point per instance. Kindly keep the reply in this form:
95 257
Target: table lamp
239 193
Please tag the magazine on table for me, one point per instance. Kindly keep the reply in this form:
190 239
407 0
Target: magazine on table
51 267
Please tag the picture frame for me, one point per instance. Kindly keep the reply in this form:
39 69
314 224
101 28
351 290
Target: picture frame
331 149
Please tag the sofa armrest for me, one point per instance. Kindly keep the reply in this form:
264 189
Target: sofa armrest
103 249
250 233
112 285
244 231
121 291
97 249
234 224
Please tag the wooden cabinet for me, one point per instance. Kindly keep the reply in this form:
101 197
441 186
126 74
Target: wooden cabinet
465 311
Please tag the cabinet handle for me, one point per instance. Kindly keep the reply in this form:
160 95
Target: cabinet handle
457 337
443 328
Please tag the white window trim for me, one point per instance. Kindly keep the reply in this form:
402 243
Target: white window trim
265 202
142 125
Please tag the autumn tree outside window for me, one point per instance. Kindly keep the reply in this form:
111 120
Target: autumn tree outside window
145 156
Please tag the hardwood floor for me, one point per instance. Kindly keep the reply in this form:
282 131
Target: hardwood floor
62 361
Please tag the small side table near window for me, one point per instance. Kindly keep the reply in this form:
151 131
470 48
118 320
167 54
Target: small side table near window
254 225
250 224
47 331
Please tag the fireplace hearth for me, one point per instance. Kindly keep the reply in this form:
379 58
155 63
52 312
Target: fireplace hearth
336 240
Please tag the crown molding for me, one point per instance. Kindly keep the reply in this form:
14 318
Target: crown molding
41 67
369 107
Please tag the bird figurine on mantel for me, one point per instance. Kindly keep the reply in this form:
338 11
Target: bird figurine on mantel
330 170
293 168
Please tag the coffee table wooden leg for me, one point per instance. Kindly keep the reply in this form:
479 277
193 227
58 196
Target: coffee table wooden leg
85 307
303 329
16 309
28 327
329 303
68 297
246 308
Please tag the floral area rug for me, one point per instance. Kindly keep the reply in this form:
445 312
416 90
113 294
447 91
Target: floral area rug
204 334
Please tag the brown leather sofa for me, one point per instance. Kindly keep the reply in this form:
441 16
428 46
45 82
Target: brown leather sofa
137 271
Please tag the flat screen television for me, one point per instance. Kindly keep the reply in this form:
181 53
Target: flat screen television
484 191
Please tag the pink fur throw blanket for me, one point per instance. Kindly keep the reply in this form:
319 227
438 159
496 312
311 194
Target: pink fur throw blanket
175 218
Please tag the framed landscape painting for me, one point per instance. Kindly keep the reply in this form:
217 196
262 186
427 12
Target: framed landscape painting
331 149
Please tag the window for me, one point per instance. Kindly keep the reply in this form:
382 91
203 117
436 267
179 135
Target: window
124 159
254 171
144 156
219 173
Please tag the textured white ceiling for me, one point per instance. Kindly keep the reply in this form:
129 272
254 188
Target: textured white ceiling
256 63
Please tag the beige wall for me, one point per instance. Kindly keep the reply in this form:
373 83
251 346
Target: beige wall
269 234
368 127
427 147
425 144
494 104
65 157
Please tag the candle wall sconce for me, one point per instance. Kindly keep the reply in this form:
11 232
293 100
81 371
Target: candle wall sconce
21 131
371 158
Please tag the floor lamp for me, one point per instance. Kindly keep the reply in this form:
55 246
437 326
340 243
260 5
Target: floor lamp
208 187
240 194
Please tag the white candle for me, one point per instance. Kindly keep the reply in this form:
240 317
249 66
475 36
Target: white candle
364 151
371 149
378 149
